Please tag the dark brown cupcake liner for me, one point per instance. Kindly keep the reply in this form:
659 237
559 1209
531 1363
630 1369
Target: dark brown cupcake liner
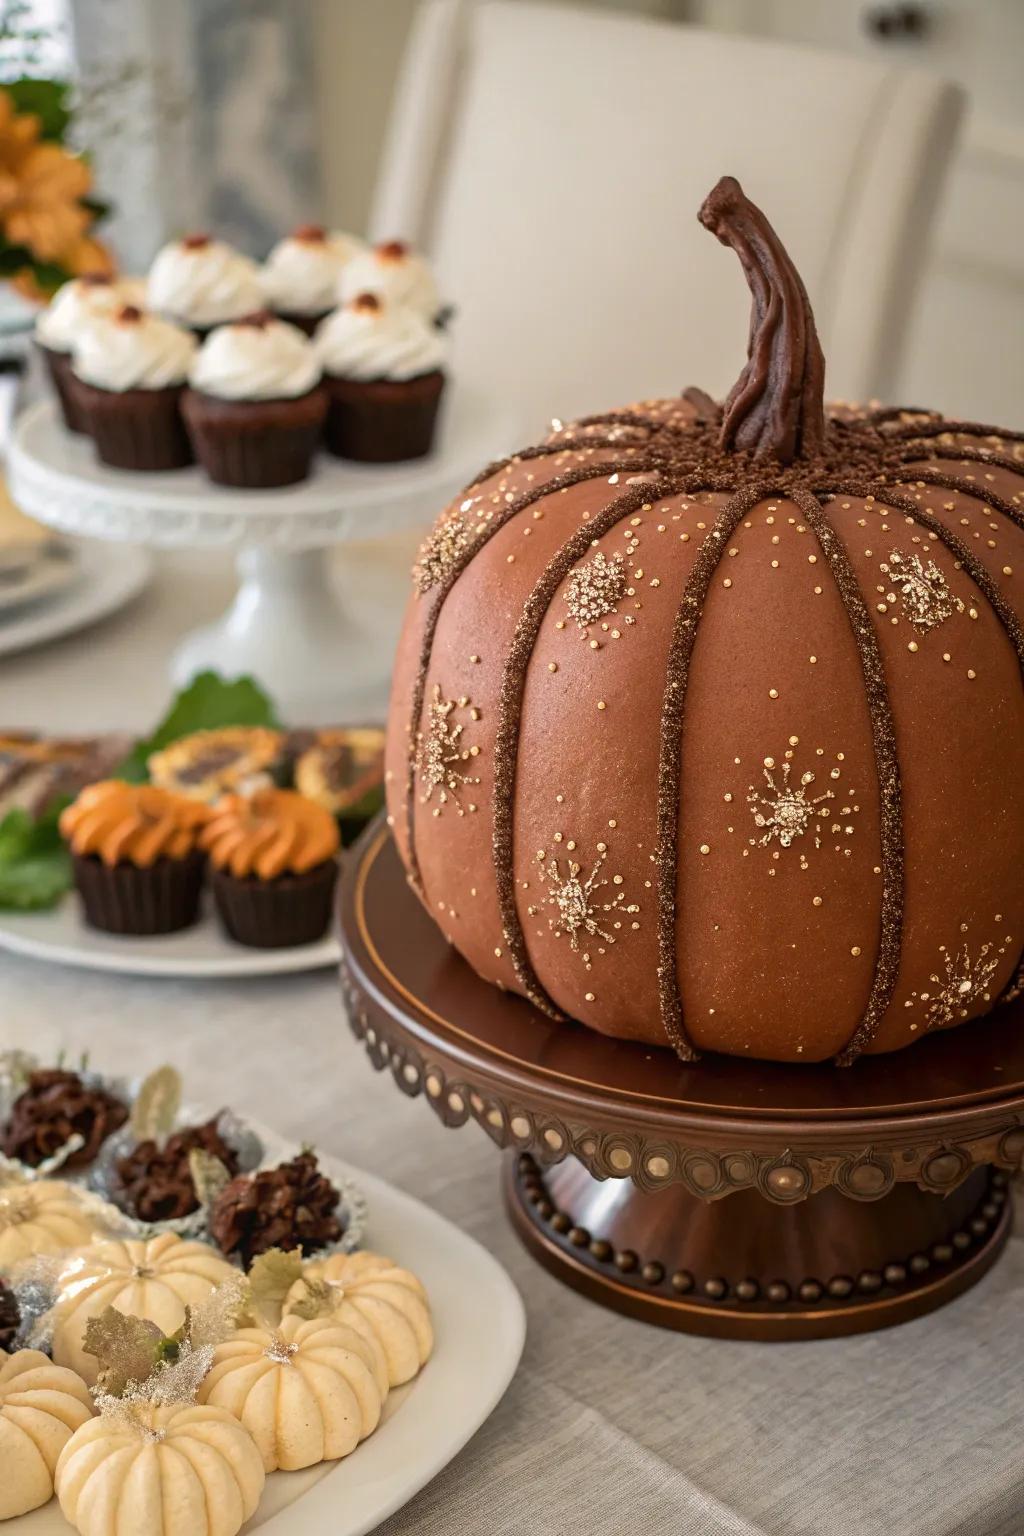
122 898
58 366
137 429
255 444
383 421
276 914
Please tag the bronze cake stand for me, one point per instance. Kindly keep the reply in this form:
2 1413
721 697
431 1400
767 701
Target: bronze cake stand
732 1198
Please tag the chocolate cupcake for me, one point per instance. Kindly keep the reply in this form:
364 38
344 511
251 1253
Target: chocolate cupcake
273 867
301 274
255 406
137 865
128 372
75 304
208 764
397 275
291 1206
54 1106
201 283
384 378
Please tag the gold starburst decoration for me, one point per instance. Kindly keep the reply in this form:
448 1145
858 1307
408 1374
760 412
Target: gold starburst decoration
787 811
962 982
578 907
595 588
442 757
924 592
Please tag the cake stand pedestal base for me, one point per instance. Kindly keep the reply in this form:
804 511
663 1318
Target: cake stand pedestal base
736 1198
287 627
743 1268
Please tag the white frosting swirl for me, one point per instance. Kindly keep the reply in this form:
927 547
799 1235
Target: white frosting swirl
393 272
77 302
382 341
268 360
300 276
203 284
132 350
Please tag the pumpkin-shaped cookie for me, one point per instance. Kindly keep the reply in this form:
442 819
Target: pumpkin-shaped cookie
43 1216
41 1406
380 1300
307 1392
178 1469
157 1279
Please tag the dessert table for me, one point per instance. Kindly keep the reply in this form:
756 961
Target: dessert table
610 1426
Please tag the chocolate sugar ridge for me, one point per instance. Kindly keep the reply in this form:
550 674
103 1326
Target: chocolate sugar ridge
536 493
677 677
506 742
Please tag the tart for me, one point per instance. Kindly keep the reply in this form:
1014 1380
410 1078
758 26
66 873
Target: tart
155 1278
41 1407
273 867
306 1391
55 1105
208 764
398 275
379 1299
343 770
301 274
137 865
152 1467
254 407
384 375
128 370
200 283
291 1206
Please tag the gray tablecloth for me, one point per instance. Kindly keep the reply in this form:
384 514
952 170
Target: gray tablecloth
610 1427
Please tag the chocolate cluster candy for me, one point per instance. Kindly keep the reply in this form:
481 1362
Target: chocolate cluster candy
156 1181
9 1316
55 1106
291 1206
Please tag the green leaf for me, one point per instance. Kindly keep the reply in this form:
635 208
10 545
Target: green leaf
207 704
35 866
48 99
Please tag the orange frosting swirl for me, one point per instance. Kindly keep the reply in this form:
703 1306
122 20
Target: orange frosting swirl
132 823
270 833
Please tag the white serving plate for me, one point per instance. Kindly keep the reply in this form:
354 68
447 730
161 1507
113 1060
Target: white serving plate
43 573
61 937
480 1327
106 579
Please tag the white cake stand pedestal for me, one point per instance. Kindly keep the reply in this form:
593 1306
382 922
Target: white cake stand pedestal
286 625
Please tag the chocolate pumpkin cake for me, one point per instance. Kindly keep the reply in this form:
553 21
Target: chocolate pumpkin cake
707 725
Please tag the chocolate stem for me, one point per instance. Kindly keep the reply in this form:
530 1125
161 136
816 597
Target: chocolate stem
776 407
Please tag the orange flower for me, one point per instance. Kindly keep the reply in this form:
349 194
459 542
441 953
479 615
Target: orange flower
43 211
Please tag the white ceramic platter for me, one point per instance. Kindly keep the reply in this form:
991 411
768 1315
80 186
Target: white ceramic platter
62 938
480 1328
42 573
105 580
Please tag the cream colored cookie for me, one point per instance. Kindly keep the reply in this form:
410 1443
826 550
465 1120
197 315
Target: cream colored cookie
41 1407
379 1299
41 1216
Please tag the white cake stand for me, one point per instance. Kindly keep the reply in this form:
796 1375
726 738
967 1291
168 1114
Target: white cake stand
285 626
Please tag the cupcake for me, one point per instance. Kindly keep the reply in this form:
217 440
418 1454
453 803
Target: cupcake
395 273
208 764
273 863
343 770
301 274
201 283
55 1105
255 406
60 324
128 372
383 372
291 1206
136 862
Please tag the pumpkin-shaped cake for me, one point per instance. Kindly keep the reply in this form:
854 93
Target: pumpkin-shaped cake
386 1304
176 1468
307 1391
42 1216
41 1406
155 1279
707 725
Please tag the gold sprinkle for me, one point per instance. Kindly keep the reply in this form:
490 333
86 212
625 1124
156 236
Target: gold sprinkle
773 693
855 950
588 997
552 666
816 901
704 848
601 704
912 645
971 672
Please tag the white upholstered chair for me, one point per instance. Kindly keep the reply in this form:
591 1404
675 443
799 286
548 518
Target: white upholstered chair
553 160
